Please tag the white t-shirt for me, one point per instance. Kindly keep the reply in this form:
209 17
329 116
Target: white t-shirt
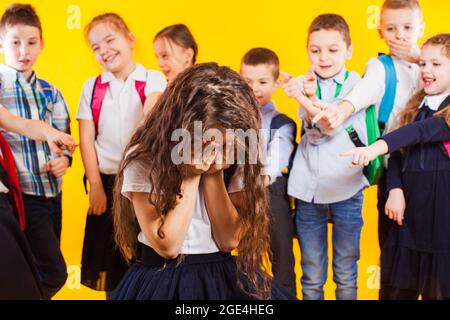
121 113
199 236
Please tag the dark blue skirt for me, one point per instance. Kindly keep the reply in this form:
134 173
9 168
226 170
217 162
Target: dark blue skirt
102 265
197 277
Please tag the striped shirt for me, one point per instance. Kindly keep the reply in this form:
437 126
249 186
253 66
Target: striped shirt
29 100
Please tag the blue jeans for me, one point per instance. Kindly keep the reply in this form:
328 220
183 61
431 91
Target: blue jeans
312 228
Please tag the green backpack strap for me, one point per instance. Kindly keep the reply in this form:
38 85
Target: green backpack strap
375 125
374 170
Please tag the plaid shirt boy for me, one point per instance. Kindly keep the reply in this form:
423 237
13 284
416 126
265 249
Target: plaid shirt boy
35 100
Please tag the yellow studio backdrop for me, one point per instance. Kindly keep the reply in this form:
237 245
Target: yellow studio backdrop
224 32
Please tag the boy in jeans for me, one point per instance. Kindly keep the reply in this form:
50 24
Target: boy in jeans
325 188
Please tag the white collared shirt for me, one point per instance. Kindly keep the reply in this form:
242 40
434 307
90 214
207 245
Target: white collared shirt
370 90
199 237
434 102
121 113
319 174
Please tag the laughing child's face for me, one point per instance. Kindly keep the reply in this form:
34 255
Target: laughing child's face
435 69
112 48
328 51
21 45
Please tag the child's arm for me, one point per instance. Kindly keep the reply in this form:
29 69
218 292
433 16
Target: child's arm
308 110
362 156
157 83
178 219
150 102
434 129
37 130
61 121
97 196
223 214
368 91
279 150
395 205
310 83
332 116
292 90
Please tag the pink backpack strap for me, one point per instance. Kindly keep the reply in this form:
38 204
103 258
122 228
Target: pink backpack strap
98 94
447 147
140 88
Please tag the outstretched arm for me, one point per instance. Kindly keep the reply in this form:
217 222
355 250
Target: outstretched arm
434 129
37 130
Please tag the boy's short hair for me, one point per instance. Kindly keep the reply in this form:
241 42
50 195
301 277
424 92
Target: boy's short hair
402 4
18 13
331 21
257 56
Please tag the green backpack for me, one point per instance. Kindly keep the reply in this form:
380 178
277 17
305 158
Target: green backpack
375 126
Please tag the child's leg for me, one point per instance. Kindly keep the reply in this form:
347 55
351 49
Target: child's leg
347 225
312 224
281 233
44 244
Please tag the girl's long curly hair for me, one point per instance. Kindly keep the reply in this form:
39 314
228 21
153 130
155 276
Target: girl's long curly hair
219 98
412 108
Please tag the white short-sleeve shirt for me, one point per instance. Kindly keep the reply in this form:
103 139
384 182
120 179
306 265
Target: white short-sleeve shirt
199 236
122 111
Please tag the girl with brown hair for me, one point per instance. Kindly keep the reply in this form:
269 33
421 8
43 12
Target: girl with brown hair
416 256
185 217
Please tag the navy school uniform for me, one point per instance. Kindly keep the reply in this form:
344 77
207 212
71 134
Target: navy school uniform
416 256
210 276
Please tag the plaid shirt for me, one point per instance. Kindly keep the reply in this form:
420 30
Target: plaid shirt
29 100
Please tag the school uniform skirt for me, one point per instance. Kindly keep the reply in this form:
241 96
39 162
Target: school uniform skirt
18 274
102 265
209 276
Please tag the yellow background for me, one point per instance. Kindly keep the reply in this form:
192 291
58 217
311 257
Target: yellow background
224 30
